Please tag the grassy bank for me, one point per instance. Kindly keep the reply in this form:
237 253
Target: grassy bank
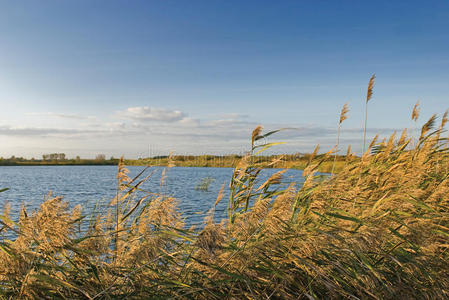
379 229
231 161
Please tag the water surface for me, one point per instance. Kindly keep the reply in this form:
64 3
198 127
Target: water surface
88 185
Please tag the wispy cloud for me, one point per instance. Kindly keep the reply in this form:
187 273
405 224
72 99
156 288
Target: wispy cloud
36 131
167 129
145 114
60 115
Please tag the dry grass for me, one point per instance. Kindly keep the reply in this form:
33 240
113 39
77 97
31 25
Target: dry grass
379 229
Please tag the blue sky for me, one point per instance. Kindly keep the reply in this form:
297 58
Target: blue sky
89 77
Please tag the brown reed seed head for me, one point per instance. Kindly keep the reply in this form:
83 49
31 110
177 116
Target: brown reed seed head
122 174
444 119
276 178
428 125
369 94
415 112
256 133
344 113
220 195
315 151
349 152
373 142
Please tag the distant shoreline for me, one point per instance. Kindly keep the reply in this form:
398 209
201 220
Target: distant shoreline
62 163
230 161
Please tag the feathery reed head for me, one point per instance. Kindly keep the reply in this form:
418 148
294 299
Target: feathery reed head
428 125
444 119
122 174
415 112
256 133
373 141
315 151
369 93
348 152
344 112
220 195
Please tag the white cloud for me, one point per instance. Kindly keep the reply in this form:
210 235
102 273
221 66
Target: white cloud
145 113
190 122
173 130
61 115
36 131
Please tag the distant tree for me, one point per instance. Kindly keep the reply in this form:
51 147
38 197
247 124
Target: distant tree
54 156
78 158
100 157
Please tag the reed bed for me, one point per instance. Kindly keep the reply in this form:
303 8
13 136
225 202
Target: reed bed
290 161
378 229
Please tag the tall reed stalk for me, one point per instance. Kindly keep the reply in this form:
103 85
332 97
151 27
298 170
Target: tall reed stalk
369 94
343 116
414 117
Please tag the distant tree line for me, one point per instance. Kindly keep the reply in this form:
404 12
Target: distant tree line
53 156
58 159
62 157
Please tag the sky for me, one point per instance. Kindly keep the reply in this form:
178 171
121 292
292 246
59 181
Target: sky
139 78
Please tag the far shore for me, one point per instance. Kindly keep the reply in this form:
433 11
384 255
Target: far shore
292 161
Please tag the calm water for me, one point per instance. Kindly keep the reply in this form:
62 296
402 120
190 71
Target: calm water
87 185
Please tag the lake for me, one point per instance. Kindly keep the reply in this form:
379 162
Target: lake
87 185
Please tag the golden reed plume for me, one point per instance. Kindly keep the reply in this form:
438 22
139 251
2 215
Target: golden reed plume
369 94
415 112
344 112
256 133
